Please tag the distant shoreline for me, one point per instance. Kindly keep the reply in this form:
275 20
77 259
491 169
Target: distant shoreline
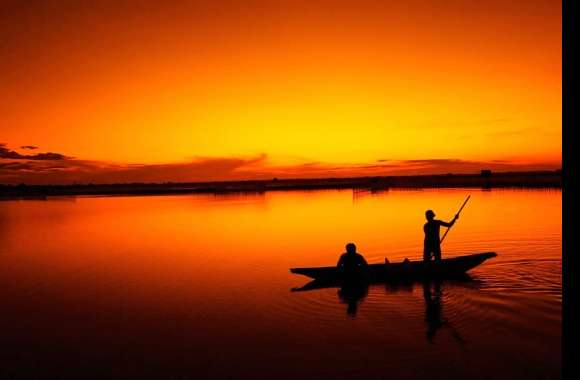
485 179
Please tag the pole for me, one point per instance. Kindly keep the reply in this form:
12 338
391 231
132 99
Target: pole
462 206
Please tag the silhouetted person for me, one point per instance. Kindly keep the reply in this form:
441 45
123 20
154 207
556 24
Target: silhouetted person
351 263
432 240
352 294
432 309
434 312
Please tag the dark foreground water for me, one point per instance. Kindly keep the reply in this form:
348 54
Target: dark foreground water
198 287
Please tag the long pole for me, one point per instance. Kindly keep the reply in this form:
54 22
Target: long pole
462 206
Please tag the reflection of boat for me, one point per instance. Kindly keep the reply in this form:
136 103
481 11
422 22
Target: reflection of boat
353 293
396 286
407 270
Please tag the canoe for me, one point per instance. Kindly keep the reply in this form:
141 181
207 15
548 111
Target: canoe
411 270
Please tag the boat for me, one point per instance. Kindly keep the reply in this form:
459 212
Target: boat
407 270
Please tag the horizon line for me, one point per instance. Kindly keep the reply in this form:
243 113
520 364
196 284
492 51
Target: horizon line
481 173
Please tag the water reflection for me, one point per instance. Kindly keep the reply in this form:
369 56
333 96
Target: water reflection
353 294
180 283
433 312
434 317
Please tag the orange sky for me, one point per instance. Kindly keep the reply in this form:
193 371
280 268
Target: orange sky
197 90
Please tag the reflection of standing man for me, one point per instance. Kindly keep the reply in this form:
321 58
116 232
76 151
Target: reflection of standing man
432 309
432 241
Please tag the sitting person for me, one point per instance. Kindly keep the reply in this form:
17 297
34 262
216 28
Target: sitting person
351 262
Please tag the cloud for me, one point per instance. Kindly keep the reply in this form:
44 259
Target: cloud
511 132
458 166
31 147
208 169
387 167
15 166
84 171
6 153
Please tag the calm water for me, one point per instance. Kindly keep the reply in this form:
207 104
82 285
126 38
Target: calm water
199 287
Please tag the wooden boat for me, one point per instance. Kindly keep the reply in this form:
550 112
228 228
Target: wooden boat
407 270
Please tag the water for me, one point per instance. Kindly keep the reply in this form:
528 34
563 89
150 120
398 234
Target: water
198 287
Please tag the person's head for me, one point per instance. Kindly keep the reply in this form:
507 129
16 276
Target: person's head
351 248
429 214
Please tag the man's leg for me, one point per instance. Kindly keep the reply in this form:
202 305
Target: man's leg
437 253
426 254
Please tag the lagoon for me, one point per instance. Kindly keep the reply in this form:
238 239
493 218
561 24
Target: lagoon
198 286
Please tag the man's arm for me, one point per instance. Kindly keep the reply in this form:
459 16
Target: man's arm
340 263
445 224
363 263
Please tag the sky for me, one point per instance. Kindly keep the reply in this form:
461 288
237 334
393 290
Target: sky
152 91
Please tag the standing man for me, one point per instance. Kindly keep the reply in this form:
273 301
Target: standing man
432 241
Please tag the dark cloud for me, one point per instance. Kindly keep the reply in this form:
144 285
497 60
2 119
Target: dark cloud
30 147
203 169
16 166
82 171
46 156
6 153
386 167
445 165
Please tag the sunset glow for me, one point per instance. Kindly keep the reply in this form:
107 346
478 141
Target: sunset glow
200 90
